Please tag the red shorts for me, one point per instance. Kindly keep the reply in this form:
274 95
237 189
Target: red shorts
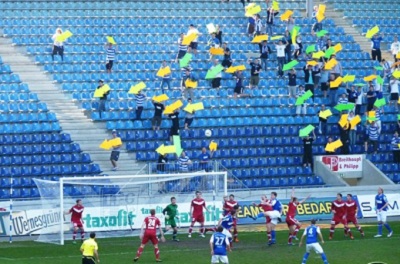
338 220
77 224
352 219
198 218
290 221
150 237
267 220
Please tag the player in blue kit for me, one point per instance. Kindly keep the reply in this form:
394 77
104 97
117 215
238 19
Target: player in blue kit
312 232
219 245
381 205
227 222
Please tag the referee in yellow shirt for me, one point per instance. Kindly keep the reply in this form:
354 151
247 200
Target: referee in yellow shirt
89 250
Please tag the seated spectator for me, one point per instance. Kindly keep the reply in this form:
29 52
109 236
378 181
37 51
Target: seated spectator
395 147
343 99
372 134
303 107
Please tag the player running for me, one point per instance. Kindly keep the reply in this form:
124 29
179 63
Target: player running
219 245
149 233
275 215
170 212
338 209
351 214
76 219
312 232
230 205
266 206
196 211
381 206
291 221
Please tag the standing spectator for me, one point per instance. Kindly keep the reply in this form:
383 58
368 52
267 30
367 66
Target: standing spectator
317 26
218 33
321 44
187 92
378 116
343 99
330 140
140 98
394 92
193 44
213 42
205 159
255 73
303 107
376 47
58 46
242 1
317 74
395 147
308 153
290 24
158 109
352 94
259 25
182 49
174 131
345 138
298 47
184 162
227 61
353 131
216 81
280 54
322 123
238 92
309 78
103 99
265 51
271 13
288 47
372 137
333 91
162 161
337 69
110 56
328 44
166 79
387 69
189 116
324 80
292 82
115 152
251 26
359 100
395 48
371 98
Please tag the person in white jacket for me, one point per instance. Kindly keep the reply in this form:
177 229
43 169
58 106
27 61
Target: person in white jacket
394 92
395 48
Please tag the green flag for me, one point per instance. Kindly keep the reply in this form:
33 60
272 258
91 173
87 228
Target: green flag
398 117
299 101
380 102
290 65
185 60
371 118
307 95
306 131
378 68
322 33
344 107
211 73
359 84
329 52
310 49
177 145
379 80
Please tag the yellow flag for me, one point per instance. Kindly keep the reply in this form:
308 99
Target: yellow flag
194 107
337 47
370 78
329 147
275 5
336 83
190 84
98 93
330 64
343 120
163 71
355 121
235 69
259 38
320 17
115 142
396 74
285 16
217 51
337 144
111 40
188 39
168 110
64 36
231 69
321 13
398 56
318 55
166 149
349 78
105 145
172 107
372 32
213 146
312 63
136 88
252 10
325 114
160 98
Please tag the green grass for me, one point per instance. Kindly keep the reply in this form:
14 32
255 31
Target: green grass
252 248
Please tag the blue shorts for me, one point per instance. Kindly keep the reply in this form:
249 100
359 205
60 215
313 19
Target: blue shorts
193 45
114 155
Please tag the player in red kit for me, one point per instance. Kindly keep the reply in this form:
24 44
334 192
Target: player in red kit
291 221
76 219
149 233
230 205
266 206
338 209
196 210
351 214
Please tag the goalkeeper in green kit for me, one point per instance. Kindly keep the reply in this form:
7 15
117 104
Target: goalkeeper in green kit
170 212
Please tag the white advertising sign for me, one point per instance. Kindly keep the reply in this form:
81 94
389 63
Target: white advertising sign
367 205
342 163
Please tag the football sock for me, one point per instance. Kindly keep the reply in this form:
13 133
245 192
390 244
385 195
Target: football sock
157 253
269 236
139 252
380 229
260 215
235 232
345 231
174 234
296 230
202 229
332 230
74 235
360 229
273 234
290 237
82 234
323 256
190 229
348 231
305 257
388 227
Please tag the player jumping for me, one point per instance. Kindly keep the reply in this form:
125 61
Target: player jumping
230 205
170 213
291 221
196 211
149 233
351 214
338 209
76 219
266 206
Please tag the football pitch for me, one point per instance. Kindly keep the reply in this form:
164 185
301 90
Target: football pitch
252 248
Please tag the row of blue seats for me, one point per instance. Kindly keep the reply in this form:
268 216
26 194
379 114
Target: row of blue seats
47 170
18 96
5 68
395 177
9 78
30 117
282 182
35 138
14 88
9 107
29 128
367 6
41 148
381 158
386 167
45 159
19 193
384 30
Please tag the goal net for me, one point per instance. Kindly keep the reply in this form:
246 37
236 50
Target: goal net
115 206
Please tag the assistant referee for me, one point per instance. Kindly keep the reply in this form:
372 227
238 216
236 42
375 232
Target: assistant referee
89 250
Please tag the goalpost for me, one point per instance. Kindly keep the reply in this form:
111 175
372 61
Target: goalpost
115 206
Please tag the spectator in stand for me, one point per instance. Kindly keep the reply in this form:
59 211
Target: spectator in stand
162 161
324 80
213 42
204 158
332 91
290 24
395 147
58 46
280 55
115 152
140 98
239 87
353 131
182 49
303 107
387 69
158 110
322 123
189 117
317 26
371 98
398 127
251 26
321 44
227 61
308 153
376 47
186 91
378 115
328 44
218 33
174 131
265 51
216 82
359 100
309 78
271 13
292 82
255 73
352 93
193 44
372 137
337 69
103 99
343 99
288 47
330 140
298 48
184 162
166 79
345 138
317 76
395 48
259 25
243 2
110 56
394 92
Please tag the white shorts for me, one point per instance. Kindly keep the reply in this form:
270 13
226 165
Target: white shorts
382 215
227 233
314 246
274 215
218 258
